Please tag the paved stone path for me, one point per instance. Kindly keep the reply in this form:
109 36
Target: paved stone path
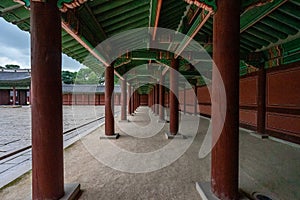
15 133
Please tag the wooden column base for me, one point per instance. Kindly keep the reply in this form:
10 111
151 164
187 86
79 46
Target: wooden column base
72 191
204 189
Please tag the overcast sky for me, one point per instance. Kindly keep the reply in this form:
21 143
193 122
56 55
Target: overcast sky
15 48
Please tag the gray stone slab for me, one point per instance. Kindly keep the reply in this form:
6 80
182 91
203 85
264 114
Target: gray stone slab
124 121
204 190
168 135
72 191
260 136
28 152
5 167
14 173
112 137
284 142
7 148
162 121
18 159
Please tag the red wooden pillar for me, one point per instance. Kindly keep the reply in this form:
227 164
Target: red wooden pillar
136 100
157 99
129 99
29 98
195 100
174 115
109 101
261 101
124 100
132 101
184 99
161 99
226 31
153 99
47 127
149 99
14 95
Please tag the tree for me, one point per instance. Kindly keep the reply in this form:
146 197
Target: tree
10 66
68 77
87 76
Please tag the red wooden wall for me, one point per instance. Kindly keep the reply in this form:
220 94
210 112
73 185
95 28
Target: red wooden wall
248 101
204 101
144 100
4 97
283 102
88 99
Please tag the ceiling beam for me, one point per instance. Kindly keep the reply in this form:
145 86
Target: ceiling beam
103 34
11 8
157 14
132 25
134 5
250 17
121 18
197 25
153 6
87 46
144 78
181 23
110 5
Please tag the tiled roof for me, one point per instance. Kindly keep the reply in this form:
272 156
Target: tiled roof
14 78
66 88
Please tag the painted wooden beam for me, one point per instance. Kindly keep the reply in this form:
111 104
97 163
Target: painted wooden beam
197 25
89 47
157 14
251 17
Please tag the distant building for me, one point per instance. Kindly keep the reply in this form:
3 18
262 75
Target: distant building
15 90
14 87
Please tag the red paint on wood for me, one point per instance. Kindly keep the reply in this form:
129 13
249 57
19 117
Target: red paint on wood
109 101
248 117
284 123
123 99
161 98
174 115
205 109
203 95
144 100
47 126
4 97
224 156
283 88
248 91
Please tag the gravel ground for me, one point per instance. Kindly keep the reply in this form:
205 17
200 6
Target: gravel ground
265 166
15 124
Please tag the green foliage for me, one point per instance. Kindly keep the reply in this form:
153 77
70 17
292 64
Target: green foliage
68 77
88 76
9 66
84 76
